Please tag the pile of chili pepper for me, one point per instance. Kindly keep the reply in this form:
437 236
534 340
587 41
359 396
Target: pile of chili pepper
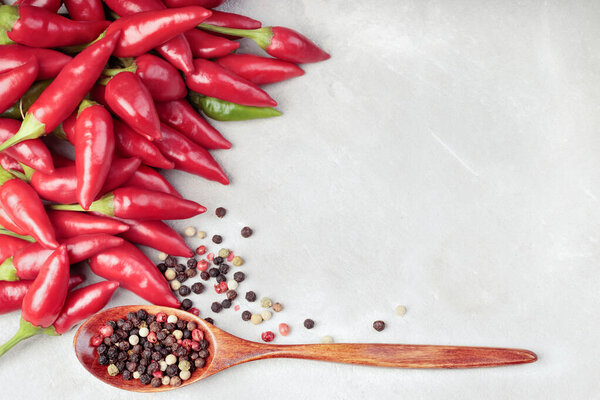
127 84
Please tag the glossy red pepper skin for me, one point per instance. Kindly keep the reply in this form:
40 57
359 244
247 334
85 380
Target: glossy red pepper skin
148 178
180 115
61 186
127 97
142 204
50 5
14 83
85 10
190 157
7 223
25 209
212 80
134 272
160 78
9 246
260 70
32 153
38 27
69 224
144 31
185 3
130 144
94 148
205 45
46 295
289 45
157 235
231 20
50 62
28 261
83 303
177 51
13 292
9 164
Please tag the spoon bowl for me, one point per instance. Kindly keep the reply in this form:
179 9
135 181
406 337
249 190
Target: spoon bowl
226 350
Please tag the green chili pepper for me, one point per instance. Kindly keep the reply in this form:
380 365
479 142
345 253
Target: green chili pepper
18 110
225 111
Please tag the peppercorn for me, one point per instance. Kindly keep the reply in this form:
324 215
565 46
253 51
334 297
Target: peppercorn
213 272
216 307
218 239
182 277
156 382
162 267
120 322
190 273
201 234
186 304
246 315
309 323
170 274
237 261
277 307
189 231
267 336
221 278
103 360
231 294
246 232
199 362
175 285
266 302
142 314
170 261
284 329
220 212
226 303
379 325
184 290
251 296
112 370
224 268
210 321
171 369
326 339
256 319
153 367
239 276
141 368
113 352
127 375
218 260
266 315
204 276
197 288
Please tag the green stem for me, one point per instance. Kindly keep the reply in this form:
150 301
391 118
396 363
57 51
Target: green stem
8 16
28 172
60 133
80 47
5 176
261 36
26 330
4 231
8 272
104 205
4 39
85 103
30 128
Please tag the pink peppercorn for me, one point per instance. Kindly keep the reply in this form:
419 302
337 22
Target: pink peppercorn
284 329
157 374
267 336
221 287
194 311
187 343
195 346
197 335
152 337
179 342
201 250
96 340
230 256
161 317
106 330
210 256
224 286
203 265
237 307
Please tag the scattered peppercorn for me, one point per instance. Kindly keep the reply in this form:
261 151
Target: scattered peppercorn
162 267
170 261
250 296
197 288
247 232
216 307
220 212
400 310
246 315
266 302
226 303
284 329
204 276
217 239
190 273
266 315
182 277
256 319
201 250
277 307
267 336
237 261
210 320
218 260
224 268
309 323
184 290
180 268
186 304
189 231
201 234
231 294
232 284
326 339
239 276
221 278
170 274
379 325
214 272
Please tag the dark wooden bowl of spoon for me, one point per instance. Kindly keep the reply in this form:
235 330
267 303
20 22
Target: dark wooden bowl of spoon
227 350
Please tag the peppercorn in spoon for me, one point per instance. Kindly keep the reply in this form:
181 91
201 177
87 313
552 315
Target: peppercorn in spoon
226 350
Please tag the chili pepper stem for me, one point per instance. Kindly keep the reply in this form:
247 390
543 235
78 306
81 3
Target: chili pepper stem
6 232
4 39
5 176
28 172
85 103
262 36
8 16
104 205
8 272
31 128
26 330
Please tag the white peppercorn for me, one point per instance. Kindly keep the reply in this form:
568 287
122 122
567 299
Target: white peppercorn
189 231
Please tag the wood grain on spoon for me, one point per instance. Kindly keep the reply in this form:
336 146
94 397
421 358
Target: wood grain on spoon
227 350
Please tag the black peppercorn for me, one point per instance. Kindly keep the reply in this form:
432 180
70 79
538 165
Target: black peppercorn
217 239
122 334
120 366
180 268
171 262
156 382
309 323
161 335
142 314
137 349
224 268
231 294
162 267
123 345
220 212
114 338
165 352
107 341
213 272
379 325
172 370
145 379
127 375
103 360
199 362
131 315
187 334
203 353
101 349
204 342
141 368
221 278
197 288
184 290
181 324
210 321
186 304
113 352
246 232
112 324
218 260
190 273
153 367
156 356
134 358
146 354
122 356
226 303
192 263
246 315
216 307
204 275
251 296
182 277
239 276
127 326
120 322
131 366
170 326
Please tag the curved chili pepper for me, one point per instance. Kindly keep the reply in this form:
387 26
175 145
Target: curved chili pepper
71 224
127 97
144 31
280 42
9 163
61 186
44 299
7 223
148 178
85 10
210 79
131 144
94 148
231 20
225 111
24 207
38 27
27 262
177 51
14 83
83 303
9 245
157 235
205 45
50 5
161 78
201 3
13 292
134 272
32 153
137 203
180 115
50 62
189 157
22 105
260 70
65 93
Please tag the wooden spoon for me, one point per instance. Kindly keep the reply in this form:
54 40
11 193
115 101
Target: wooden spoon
227 350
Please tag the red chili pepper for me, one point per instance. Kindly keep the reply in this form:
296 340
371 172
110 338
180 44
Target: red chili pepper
38 27
129 143
162 80
94 147
260 70
50 5
177 50
157 235
205 45
148 178
72 224
127 97
50 62
85 10
137 203
135 272
14 83
231 20
32 153
23 206
201 3
7 223
144 31
9 163
65 93
13 292
210 79
9 245
83 303
189 157
27 262
180 115
61 186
